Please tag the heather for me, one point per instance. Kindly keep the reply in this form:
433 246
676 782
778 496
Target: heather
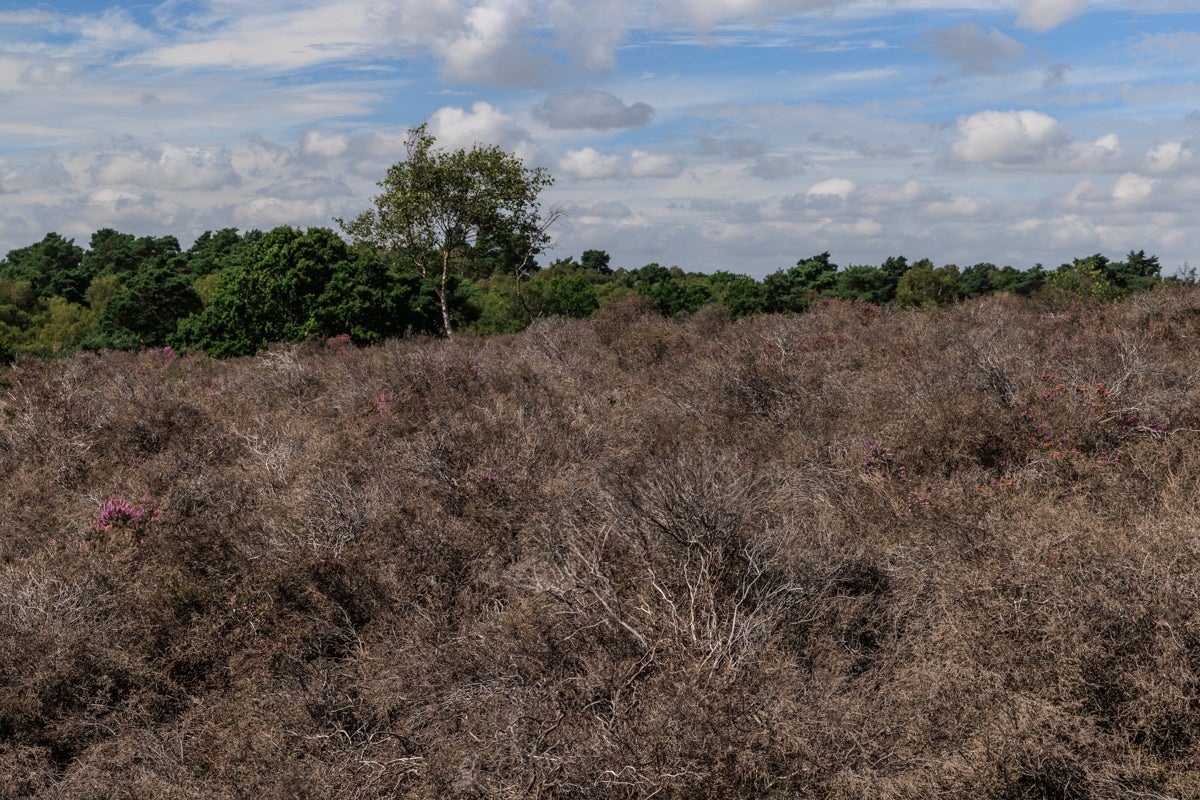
858 552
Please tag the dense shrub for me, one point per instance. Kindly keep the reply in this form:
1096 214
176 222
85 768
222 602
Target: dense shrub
855 553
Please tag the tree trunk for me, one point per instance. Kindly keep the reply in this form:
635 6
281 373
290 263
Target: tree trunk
442 295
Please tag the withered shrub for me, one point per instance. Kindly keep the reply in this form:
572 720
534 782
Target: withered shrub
856 553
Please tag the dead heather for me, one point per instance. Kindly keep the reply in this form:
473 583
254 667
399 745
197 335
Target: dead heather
855 553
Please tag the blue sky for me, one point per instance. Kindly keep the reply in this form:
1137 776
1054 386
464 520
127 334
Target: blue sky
712 134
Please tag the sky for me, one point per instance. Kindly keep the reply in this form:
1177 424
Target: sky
742 135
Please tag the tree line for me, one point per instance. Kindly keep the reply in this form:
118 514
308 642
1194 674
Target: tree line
233 293
451 243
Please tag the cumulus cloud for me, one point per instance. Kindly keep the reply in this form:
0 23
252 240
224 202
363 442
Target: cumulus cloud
261 158
484 124
1131 189
591 108
643 164
494 45
38 175
1042 15
833 187
166 166
323 144
1066 232
129 210
973 50
270 212
588 164
1007 137
1168 157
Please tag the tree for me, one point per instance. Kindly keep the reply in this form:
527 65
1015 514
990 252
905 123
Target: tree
923 286
1089 278
795 289
146 311
1136 273
597 260
290 284
52 267
437 204
864 282
740 294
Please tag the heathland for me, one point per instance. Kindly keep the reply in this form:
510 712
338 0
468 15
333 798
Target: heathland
857 552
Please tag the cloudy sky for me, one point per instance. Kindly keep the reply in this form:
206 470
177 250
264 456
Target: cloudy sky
712 134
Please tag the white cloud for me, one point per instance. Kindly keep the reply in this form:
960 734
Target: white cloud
493 47
323 143
165 166
142 211
270 212
1131 189
1007 137
1042 15
260 158
643 164
1068 232
1168 157
889 193
588 164
274 39
598 210
484 124
50 74
36 176
833 187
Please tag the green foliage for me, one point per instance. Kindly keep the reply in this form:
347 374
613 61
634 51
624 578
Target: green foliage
53 266
465 260
672 291
864 282
206 287
438 206
500 309
796 289
18 309
740 294
1137 273
212 252
923 286
63 326
146 309
1088 278
100 291
292 284
570 296
270 297
597 261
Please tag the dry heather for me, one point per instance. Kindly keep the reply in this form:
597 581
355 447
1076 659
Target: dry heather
850 554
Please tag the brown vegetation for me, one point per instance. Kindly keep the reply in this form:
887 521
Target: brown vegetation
848 554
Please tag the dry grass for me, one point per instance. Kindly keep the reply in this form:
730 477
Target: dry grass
849 554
